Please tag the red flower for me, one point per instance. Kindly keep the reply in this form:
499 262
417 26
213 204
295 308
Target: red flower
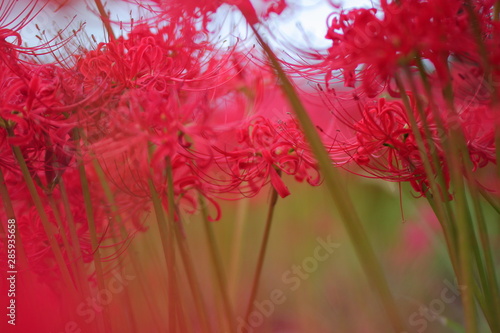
263 149
371 46
386 148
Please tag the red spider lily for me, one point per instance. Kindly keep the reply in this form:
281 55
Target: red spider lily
143 119
262 150
37 115
372 46
31 99
239 138
160 62
150 89
32 120
386 148
134 62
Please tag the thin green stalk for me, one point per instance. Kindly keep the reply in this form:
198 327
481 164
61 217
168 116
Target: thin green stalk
117 219
62 233
481 301
449 144
6 201
217 264
492 293
184 251
441 192
465 243
47 226
127 311
463 216
340 198
9 210
168 253
75 242
105 19
174 238
492 201
452 251
495 205
89 209
262 253
485 266
237 245
442 207
193 281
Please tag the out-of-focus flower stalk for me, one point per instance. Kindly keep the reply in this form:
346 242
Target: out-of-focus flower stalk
458 220
9 210
84 287
462 263
217 265
66 276
340 198
92 230
168 246
187 261
262 252
105 19
116 219
237 247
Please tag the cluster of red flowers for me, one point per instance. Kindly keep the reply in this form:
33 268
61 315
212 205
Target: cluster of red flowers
385 147
436 61
159 102
163 102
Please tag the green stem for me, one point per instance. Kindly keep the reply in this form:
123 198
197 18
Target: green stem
262 253
457 157
217 264
193 281
105 19
452 139
184 250
236 248
340 198
495 205
94 241
165 237
441 204
79 134
62 233
75 242
117 219
47 226
490 283
449 240
9 210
